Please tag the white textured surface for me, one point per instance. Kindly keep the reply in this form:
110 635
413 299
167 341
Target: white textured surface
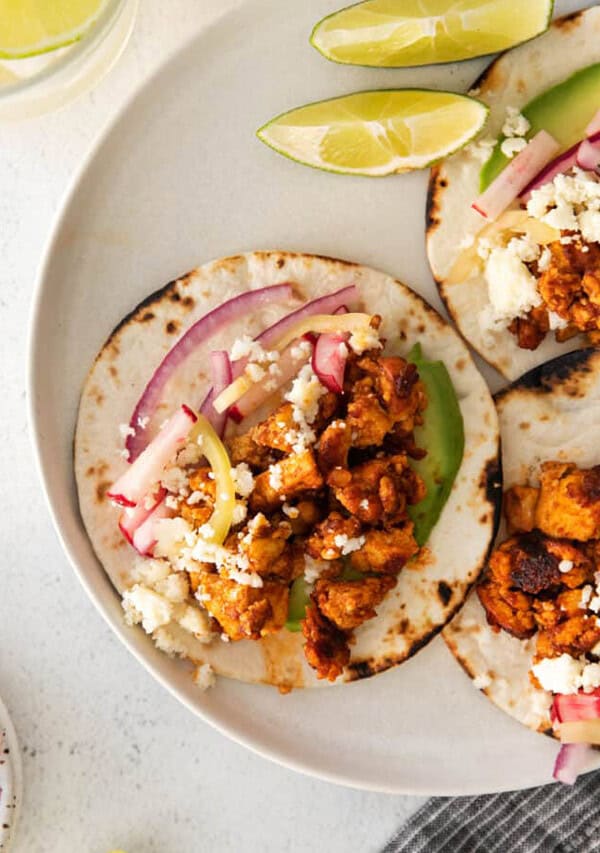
110 758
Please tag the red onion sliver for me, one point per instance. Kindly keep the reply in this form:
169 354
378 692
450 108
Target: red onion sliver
588 156
329 360
222 376
146 471
570 761
328 304
516 176
132 518
594 126
197 335
562 164
144 538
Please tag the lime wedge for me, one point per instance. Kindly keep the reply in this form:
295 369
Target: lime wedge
421 32
377 133
31 27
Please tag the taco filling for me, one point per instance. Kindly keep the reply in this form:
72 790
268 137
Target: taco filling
293 500
543 582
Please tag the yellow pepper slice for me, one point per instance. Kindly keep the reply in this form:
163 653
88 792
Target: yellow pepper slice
220 463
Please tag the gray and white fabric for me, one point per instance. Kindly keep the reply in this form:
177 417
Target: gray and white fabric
551 819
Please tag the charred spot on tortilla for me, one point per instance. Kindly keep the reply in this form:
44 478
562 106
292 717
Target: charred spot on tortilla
444 592
571 21
171 327
432 204
547 377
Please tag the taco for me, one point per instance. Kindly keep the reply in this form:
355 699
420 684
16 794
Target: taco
513 234
275 486
529 634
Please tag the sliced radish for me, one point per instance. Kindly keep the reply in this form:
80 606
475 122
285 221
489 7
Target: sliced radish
222 376
195 337
516 176
133 517
289 363
568 708
594 126
588 156
145 472
144 538
329 360
571 760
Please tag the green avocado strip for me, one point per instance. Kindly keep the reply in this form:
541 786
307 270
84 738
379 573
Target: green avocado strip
564 111
442 435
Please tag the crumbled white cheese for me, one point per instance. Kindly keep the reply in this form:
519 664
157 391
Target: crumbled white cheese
544 259
362 340
245 578
313 568
586 594
481 148
170 536
254 372
512 290
570 202
303 349
143 422
240 511
364 504
206 531
559 675
290 511
168 643
191 454
175 480
515 123
594 604
196 621
565 566
275 477
124 454
171 501
243 479
204 676
555 321
126 430
590 677
175 587
197 497
513 145
304 395
142 604
348 544
246 347
482 681
150 572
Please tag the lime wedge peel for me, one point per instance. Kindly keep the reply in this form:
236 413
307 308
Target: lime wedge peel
377 133
30 27
403 33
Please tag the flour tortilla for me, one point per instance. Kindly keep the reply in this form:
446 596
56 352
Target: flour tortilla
431 589
551 413
514 79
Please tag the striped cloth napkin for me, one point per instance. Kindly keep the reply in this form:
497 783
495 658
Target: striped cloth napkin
551 819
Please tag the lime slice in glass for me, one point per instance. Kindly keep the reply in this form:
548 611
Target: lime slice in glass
31 27
377 133
421 32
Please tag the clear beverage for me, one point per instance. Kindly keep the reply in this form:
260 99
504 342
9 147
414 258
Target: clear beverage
40 84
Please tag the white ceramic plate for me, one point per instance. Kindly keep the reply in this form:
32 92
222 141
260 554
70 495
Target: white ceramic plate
179 179
10 780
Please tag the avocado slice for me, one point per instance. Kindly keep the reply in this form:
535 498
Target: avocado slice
443 436
564 111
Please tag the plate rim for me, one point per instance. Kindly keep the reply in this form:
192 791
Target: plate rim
16 771
41 463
